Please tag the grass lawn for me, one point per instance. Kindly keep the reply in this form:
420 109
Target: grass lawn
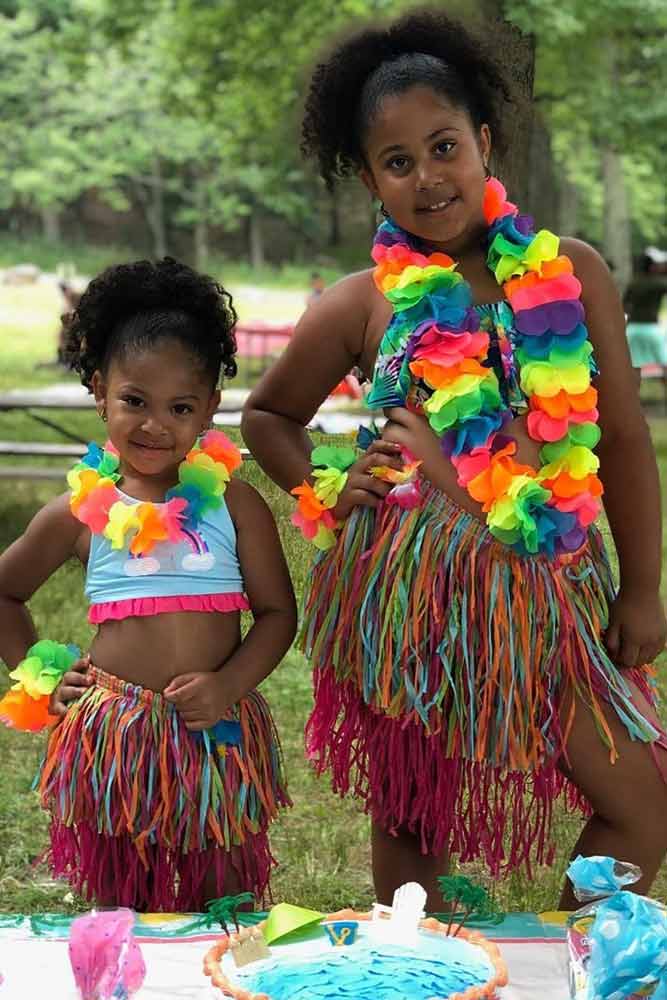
322 843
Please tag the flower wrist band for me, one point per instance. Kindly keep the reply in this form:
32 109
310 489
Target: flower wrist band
315 502
26 704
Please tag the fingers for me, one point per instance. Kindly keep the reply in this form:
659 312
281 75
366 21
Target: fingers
179 688
648 652
75 682
197 725
628 655
388 449
612 640
56 706
79 666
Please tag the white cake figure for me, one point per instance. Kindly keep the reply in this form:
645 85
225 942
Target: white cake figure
399 923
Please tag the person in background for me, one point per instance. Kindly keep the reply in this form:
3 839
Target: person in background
317 287
644 297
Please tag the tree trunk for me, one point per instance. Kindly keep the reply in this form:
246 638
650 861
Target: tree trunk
155 210
568 209
541 189
50 224
255 239
617 234
518 62
201 226
617 228
201 244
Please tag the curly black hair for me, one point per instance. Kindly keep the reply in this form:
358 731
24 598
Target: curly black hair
131 306
425 47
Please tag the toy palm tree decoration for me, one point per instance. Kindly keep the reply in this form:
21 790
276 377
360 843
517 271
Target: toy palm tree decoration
225 910
467 900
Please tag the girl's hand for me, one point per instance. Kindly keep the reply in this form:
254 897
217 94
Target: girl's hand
637 629
363 489
72 685
201 699
412 431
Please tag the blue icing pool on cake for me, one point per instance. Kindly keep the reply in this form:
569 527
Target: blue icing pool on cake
369 970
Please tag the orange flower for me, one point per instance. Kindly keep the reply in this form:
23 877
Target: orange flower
438 376
221 449
152 529
495 480
309 505
19 711
566 486
562 404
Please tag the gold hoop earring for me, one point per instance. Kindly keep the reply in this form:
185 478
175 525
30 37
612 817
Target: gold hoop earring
102 413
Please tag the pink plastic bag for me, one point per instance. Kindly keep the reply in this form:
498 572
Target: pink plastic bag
106 960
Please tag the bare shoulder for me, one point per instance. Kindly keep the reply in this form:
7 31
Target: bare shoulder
345 306
589 265
50 539
56 515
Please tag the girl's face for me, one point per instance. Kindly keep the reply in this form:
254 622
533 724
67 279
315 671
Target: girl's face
157 402
425 162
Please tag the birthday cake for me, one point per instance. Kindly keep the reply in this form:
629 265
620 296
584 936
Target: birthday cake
351 955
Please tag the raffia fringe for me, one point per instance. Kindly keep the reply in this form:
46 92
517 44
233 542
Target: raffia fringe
440 661
142 809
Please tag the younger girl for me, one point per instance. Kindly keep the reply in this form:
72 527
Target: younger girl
163 778
473 662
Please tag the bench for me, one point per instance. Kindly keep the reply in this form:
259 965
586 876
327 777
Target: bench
42 449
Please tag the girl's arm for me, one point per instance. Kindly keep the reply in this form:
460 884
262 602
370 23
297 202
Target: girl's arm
325 345
327 342
49 540
202 698
628 469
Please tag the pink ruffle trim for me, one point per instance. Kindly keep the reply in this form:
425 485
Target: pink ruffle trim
139 607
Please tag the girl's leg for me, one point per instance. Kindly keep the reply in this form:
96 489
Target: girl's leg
398 859
629 797
233 883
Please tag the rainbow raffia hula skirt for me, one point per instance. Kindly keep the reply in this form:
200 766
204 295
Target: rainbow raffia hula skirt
441 644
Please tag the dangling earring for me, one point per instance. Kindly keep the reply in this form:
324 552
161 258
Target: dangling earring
383 210
102 412
487 172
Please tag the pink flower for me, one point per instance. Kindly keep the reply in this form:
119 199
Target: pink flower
584 505
94 508
542 427
446 347
469 466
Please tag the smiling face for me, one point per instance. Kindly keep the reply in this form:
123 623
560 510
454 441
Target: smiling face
157 402
425 161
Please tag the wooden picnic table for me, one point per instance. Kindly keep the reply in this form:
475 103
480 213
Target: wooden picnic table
335 416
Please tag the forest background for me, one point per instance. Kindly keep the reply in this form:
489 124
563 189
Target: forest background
157 126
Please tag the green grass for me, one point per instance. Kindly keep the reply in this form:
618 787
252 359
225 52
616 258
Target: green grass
322 843
89 259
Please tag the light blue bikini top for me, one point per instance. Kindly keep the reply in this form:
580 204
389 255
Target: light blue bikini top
207 563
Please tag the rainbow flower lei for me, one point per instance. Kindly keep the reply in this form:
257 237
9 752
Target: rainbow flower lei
435 359
202 479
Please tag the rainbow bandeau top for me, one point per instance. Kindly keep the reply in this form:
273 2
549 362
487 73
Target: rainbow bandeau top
433 358
202 479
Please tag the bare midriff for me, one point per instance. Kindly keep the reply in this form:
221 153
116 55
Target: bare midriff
152 650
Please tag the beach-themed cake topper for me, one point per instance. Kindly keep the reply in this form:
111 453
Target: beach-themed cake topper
468 902
390 952
399 922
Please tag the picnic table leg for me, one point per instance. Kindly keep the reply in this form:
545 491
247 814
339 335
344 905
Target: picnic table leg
56 427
